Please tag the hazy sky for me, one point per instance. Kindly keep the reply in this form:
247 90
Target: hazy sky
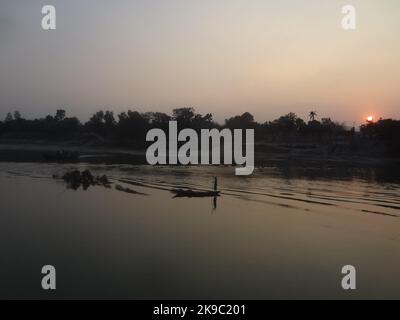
220 56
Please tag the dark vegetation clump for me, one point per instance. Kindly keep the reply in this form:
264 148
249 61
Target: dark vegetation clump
85 179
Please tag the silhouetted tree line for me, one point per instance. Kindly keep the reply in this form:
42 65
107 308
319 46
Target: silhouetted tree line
384 130
57 126
126 127
291 125
132 126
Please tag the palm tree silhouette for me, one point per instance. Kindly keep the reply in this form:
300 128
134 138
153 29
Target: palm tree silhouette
313 115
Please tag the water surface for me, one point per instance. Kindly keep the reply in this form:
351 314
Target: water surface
281 233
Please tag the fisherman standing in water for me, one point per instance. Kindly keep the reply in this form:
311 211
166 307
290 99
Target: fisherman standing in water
215 190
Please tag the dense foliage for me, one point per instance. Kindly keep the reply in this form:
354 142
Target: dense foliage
132 126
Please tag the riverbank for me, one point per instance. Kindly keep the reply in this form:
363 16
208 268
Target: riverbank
33 152
268 155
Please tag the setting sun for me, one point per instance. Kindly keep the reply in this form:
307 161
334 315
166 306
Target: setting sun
370 118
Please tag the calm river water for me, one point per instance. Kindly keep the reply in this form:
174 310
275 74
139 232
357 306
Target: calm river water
281 233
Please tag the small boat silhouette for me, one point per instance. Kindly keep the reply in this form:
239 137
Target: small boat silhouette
188 193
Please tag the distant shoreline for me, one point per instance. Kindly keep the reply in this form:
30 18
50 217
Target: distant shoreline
264 157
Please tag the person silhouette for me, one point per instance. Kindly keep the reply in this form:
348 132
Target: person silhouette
215 196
